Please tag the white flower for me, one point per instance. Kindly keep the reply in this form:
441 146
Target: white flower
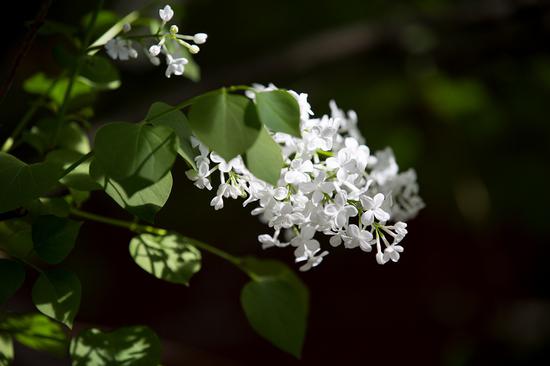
312 259
358 238
175 65
200 38
318 188
194 49
154 50
340 210
298 172
200 176
269 241
121 49
166 14
126 27
392 252
373 209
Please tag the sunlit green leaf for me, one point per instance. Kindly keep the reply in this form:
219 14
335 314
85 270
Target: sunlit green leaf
279 111
131 346
265 158
42 85
226 123
38 332
54 237
6 349
276 304
12 276
142 152
144 203
56 294
170 258
20 182
177 121
44 135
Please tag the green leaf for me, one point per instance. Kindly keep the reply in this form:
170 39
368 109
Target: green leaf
279 111
276 304
142 152
265 158
177 121
144 203
57 206
170 258
13 275
54 237
131 346
42 85
226 123
37 332
79 178
99 72
16 238
6 349
56 294
20 182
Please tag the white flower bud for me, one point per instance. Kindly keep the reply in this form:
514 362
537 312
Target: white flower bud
154 50
126 27
166 14
194 49
200 38
174 29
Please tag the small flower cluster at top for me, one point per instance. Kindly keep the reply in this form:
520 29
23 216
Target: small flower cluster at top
330 184
168 43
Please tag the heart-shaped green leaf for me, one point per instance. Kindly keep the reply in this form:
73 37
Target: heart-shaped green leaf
170 258
20 182
279 111
226 123
54 237
141 154
79 178
56 294
99 72
276 303
13 275
131 346
16 238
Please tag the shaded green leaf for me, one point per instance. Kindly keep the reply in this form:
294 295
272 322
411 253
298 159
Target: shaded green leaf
170 258
20 182
54 237
38 332
79 178
144 203
142 152
42 85
6 349
70 136
177 121
16 238
57 206
265 158
226 123
276 304
131 346
99 72
13 275
56 294
279 111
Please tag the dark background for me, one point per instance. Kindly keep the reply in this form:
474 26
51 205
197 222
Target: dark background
459 89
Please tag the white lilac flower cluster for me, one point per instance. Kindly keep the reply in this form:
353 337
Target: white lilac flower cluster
331 184
122 47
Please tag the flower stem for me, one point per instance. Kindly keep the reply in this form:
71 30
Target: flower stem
138 228
75 70
74 165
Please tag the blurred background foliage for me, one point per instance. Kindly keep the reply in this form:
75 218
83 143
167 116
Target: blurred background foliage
459 89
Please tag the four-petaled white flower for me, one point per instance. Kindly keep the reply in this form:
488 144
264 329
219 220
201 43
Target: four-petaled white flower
373 209
175 65
121 49
357 237
392 252
340 210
